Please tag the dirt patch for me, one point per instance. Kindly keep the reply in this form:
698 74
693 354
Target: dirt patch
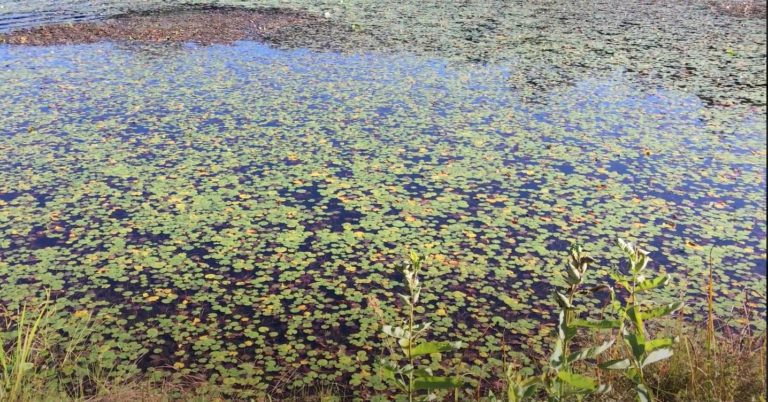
202 26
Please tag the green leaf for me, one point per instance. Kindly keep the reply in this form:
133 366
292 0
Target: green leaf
661 311
395 332
574 276
556 359
388 369
642 261
618 364
658 343
603 388
654 283
562 301
624 246
577 381
427 348
636 316
656 355
430 383
601 324
643 395
636 342
633 373
619 279
590 353
564 332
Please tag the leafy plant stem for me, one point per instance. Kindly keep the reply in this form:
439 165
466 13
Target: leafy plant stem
411 340
710 309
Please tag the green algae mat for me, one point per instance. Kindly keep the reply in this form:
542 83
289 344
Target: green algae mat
229 209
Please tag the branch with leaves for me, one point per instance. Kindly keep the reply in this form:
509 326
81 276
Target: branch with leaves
402 368
633 315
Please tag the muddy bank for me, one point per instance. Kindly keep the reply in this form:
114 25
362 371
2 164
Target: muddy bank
200 25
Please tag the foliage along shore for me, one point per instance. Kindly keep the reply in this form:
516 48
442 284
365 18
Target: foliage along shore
42 359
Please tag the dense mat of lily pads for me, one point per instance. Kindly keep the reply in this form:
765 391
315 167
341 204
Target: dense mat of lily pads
228 209
680 44
236 212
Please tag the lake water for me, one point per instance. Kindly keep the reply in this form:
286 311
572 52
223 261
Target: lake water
231 207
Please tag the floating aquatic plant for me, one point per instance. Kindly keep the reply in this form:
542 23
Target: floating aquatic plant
242 201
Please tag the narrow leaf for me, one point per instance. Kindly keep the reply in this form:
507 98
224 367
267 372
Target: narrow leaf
603 388
520 389
634 313
643 395
618 364
661 311
650 346
564 332
590 353
562 301
620 280
574 276
601 324
556 359
636 342
653 283
656 355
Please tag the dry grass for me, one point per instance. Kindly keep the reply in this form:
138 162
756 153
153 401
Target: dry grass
732 371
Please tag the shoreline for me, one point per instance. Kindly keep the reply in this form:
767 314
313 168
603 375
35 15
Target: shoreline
200 25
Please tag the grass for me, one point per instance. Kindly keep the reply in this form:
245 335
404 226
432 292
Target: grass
43 358
733 370
18 358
